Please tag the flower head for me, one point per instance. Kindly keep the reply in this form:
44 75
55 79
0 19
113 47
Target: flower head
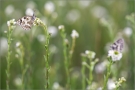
74 34
120 81
111 84
11 23
49 7
115 55
90 54
38 22
60 27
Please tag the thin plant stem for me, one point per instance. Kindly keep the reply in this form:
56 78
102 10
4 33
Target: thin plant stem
72 49
91 68
24 69
46 56
66 62
108 74
8 57
83 74
90 73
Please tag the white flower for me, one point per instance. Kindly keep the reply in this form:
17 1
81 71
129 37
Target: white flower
49 7
41 38
56 85
29 12
99 12
18 44
111 84
90 54
9 9
115 55
18 81
74 34
31 4
84 4
3 46
11 22
100 67
60 27
127 31
53 30
72 16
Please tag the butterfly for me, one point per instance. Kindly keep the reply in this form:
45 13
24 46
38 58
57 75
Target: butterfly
118 45
26 22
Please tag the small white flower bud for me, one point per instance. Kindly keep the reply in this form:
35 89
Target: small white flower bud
74 34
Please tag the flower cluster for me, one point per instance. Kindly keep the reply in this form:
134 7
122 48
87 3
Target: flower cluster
74 34
38 22
121 80
90 54
11 23
61 27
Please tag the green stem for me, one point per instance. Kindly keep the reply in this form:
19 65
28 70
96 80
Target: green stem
72 49
90 73
108 74
46 56
117 88
65 49
8 57
83 74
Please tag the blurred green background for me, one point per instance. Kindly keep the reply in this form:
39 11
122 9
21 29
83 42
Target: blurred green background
82 15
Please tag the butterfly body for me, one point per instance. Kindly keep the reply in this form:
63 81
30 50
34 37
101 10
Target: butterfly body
26 22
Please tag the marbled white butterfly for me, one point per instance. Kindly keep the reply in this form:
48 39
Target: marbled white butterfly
118 45
26 22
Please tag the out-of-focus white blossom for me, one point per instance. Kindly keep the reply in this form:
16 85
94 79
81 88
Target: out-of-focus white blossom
83 3
53 49
41 38
3 46
99 12
52 30
92 86
31 4
29 12
18 44
61 3
100 67
72 16
115 55
111 84
9 9
127 31
60 27
74 34
49 7
100 88
18 81
56 86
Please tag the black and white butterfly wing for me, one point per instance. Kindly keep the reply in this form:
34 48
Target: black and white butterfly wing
118 45
26 22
